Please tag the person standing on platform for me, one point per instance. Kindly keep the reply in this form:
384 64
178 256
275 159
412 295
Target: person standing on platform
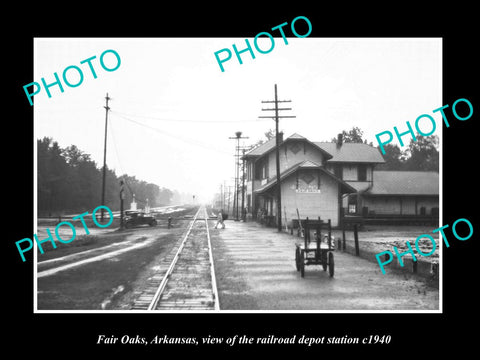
220 219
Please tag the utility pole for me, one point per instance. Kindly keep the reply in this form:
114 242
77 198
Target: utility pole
277 152
221 196
243 185
122 197
104 155
224 195
229 196
238 136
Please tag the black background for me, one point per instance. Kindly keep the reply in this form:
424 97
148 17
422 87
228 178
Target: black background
60 335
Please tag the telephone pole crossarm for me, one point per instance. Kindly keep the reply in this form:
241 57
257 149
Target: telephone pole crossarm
277 109
274 117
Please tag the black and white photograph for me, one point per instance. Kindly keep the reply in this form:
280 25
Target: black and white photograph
267 184
256 186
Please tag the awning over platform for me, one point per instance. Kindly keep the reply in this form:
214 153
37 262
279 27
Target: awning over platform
307 164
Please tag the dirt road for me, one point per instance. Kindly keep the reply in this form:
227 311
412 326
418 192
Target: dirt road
255 270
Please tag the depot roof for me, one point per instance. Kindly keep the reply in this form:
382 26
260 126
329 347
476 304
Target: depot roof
347 152
270 146
352 152
404 183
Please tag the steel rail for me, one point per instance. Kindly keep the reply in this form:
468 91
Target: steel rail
161 287
212 267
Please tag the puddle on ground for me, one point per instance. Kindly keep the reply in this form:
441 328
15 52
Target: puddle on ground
108 300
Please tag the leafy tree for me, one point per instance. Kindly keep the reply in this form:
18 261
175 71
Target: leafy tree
69 181
165 196
354 135
423 154
394 158
420 155
270 134
73 155
52 176
112 189
88 181
43 166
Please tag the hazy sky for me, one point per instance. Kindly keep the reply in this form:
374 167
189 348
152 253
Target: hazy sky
173 110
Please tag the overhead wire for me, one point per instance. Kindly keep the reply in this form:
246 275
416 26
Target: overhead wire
178 137
189 120
124 179
124 174
165 133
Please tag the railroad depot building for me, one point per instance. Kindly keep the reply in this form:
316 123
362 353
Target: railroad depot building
334 181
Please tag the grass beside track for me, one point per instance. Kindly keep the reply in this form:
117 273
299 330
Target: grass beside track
110 283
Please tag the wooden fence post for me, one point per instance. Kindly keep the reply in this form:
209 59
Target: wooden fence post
355 234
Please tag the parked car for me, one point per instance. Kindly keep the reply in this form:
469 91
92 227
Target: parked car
134 218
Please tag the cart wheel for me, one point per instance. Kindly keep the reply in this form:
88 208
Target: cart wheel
302 265
331 264
297 258
324 260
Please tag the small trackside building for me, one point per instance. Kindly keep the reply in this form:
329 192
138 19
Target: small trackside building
402 194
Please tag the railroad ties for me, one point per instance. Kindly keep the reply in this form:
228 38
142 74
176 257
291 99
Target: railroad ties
186 279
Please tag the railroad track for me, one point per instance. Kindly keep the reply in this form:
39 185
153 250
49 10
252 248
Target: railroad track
185 280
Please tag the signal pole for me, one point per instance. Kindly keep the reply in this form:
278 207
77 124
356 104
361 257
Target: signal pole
238 136
277 152
104 155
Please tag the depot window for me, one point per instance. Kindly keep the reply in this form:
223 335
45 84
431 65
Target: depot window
362 172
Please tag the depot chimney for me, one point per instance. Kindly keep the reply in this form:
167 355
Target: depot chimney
339 140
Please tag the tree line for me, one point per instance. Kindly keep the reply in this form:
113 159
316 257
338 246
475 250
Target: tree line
420 155
69 181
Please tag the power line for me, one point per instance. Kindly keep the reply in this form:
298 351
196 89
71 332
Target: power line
122 170
114 141
186 140
187 120
123 173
